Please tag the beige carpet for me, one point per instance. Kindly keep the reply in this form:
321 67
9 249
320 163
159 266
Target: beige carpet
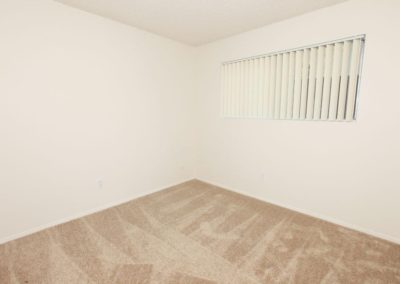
197 233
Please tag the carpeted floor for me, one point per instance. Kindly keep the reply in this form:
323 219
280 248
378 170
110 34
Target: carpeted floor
197 233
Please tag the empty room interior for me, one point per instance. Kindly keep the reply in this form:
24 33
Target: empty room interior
199 141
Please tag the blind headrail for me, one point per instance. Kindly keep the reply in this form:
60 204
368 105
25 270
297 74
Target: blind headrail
361 36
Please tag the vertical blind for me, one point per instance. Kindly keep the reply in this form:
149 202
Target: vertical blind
318 82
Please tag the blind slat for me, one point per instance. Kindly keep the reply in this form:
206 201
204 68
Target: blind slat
234 82
297 84
246 84
260 74
272 84
304 83
354 67
285 85
266 77
241 98
337 66
319 82
229 92
292 65
327 82
312 82
278 86
344 79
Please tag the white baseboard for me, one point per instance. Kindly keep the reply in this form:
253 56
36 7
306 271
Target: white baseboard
312 214
116 203
83 214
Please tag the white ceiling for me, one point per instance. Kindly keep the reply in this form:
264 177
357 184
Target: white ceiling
197 22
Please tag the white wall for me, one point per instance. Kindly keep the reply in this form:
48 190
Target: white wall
345 172
82 98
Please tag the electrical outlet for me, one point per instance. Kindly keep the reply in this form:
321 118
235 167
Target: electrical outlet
99 182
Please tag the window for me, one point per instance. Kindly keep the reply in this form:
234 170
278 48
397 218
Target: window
318 82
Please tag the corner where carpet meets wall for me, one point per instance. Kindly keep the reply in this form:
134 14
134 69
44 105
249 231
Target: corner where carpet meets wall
199 233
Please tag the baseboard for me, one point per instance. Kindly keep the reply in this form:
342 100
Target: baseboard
312 214
83 214
119 202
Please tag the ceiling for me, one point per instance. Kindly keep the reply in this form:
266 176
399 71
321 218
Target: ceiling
197 22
